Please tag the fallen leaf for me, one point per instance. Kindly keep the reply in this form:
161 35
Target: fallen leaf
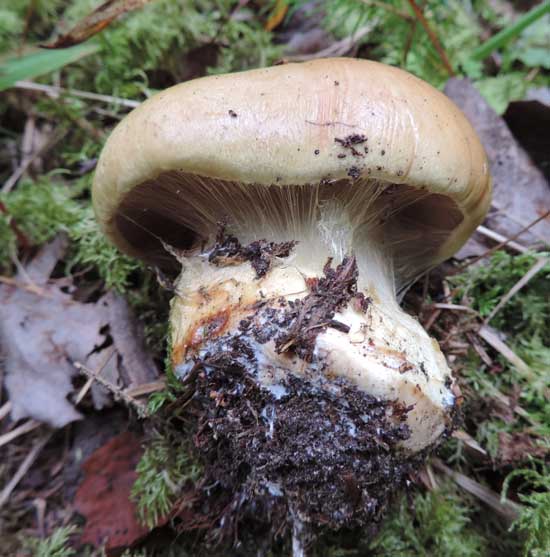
44 332
41 333
103 498
520 192
95 22
277 15
129 342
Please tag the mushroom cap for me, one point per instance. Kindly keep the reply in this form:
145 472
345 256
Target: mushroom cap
279 126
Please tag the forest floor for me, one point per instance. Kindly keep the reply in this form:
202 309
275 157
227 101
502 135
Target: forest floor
93 461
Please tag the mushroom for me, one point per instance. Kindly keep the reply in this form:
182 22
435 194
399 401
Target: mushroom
299 202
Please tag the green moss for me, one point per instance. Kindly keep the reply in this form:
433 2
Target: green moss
534 520
44 208
55 545
525 323
155 39
92 248
440 524
163 471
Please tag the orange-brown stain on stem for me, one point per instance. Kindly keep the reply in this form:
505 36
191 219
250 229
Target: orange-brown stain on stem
205 329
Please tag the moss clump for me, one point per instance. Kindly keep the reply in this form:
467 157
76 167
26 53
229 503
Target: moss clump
534 520
56 545
44 208
165 468
437 523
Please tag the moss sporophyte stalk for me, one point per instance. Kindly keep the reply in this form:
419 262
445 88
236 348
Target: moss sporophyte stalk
297 203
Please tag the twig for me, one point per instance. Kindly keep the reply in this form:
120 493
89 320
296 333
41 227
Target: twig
339 48
24 468
22 168
146 388
432 319
516 408
487 232
29 287
503 211
5 409
433 37
117 392
389 8
20 430
409 43
467 439
491 337
22 239
56 91
539 265
89 382
504 243
506 509
455 307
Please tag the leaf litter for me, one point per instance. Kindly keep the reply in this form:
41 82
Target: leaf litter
44 332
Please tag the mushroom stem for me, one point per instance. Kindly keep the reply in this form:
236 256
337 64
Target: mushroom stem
307 316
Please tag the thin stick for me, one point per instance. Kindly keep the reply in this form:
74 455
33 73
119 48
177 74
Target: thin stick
56 91
146 388
22 168
503 211
504 243
508 510
487 232
461 435
24 468
455 307
117 392
20 430
490 337
89 382
339 48
5 409
389 8
433 37
539 265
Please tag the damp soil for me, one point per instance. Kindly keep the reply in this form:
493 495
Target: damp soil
310 451
228 250
303 454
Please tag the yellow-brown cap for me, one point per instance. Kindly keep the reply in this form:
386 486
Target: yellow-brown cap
281 125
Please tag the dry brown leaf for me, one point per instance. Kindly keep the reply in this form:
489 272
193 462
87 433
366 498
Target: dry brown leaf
95 22
44 332
41 334
520 191
103 498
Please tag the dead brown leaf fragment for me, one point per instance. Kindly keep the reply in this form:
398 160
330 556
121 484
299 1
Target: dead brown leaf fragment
44 332
95 22
520 191
103 498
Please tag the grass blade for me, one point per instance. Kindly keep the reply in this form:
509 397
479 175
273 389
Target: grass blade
503 36
39 63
